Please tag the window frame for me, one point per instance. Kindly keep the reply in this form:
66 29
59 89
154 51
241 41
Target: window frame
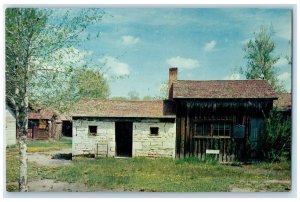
89 130
213 128
154 133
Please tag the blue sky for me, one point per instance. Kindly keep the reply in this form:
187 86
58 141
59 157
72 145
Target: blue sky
204 43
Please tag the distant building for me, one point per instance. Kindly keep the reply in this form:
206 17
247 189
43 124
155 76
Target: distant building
10 126
44 124
284 104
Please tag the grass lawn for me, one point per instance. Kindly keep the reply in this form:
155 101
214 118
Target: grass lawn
168 175
159 175
47 145
12 158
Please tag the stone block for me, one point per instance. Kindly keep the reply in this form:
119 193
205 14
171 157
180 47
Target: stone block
155 143
137 145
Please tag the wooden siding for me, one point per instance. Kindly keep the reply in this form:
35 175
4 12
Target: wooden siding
36 132
235 112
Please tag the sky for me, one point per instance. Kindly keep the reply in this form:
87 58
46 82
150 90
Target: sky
141 44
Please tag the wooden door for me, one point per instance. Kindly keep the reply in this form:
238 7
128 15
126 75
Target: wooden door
256 130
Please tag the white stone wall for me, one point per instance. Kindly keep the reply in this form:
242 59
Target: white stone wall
144 144
84 143
162 145
10 128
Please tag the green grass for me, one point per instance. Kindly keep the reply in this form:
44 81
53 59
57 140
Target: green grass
159 175
12 168
12 154
47 145
168 175
12 159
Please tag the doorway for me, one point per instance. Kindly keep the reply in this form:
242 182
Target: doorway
256 129
124 139
67 128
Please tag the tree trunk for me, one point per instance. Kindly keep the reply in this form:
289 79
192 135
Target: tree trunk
22 123
23 163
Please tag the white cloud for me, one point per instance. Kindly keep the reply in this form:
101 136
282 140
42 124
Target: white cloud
130 40
285 76
281 62
286 80
118 68
185 63
209 46
234 76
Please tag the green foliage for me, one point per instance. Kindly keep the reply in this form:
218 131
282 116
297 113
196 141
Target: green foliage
276 143
36 41
164 91
41 52
80 83
119 98
133 95
148 97
260 59
91 84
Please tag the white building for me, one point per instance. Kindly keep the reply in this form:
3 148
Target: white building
124 128
10 127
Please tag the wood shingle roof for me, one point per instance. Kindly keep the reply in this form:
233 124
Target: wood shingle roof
40 115
284 101
124 108
223 89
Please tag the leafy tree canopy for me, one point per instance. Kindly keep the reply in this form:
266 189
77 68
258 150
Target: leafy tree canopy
260 58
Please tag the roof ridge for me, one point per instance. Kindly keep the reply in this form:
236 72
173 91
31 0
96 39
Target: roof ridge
224 80
101 99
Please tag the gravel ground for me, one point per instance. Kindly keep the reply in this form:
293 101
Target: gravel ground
46 158
49 185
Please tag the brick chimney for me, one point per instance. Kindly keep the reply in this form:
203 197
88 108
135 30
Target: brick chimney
172 78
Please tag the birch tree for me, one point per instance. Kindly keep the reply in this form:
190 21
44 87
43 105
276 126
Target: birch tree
32 35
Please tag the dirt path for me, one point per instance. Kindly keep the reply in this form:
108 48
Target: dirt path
56 159
51 158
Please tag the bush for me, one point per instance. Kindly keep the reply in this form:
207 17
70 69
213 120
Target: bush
276 143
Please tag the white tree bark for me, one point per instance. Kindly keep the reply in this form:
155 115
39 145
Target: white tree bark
23 163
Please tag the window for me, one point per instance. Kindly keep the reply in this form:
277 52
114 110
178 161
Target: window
221 129
217 128
92 130
154 131
42 124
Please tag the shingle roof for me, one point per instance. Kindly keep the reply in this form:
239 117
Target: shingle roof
40 115
284 101
228 89
124 108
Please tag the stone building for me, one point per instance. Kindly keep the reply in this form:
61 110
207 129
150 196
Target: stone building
124 128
